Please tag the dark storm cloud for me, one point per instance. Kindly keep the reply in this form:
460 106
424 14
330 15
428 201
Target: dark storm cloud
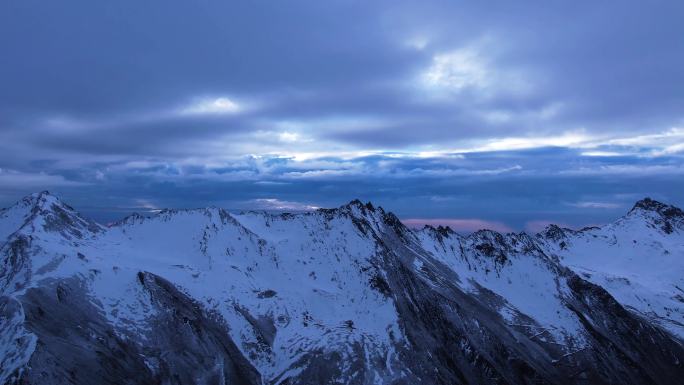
91 56
517 189
608 62
504 112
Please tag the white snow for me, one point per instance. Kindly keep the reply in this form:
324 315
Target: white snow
309 275
636 262
526 282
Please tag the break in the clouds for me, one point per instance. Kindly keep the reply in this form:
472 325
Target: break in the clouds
500 114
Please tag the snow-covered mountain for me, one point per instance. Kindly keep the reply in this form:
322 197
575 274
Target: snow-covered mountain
346 295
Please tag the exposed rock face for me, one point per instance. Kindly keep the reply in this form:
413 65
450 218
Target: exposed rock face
668 217
76 344
346 295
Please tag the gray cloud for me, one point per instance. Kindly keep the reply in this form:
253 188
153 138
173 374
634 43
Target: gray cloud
433 107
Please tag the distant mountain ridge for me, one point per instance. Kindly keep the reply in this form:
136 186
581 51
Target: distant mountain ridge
345 295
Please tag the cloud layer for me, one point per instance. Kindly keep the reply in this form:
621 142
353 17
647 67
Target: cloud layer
505 113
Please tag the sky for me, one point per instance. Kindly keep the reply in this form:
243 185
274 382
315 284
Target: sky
497 114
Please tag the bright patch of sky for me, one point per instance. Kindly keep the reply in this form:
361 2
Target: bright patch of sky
221 105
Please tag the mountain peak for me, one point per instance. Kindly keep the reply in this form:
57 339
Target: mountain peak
666 216
358 203
554 232
41 194
444 231
44 200
648 204
357 208
56 215
667 211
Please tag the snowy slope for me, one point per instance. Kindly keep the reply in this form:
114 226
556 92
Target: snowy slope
639 259
12 218
276 270
346 295
283 297
515 269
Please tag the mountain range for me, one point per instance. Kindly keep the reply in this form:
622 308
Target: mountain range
336 296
